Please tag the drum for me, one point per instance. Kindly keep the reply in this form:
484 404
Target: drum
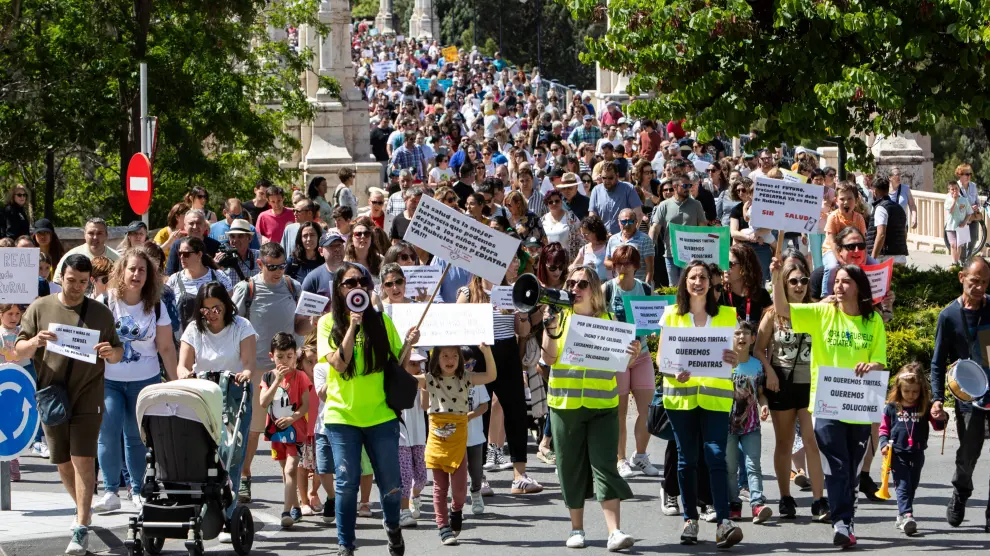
966 380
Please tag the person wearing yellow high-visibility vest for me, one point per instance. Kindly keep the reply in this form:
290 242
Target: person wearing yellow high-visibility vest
584 418
698 408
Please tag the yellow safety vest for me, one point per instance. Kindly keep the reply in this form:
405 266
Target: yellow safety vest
713 394
572 387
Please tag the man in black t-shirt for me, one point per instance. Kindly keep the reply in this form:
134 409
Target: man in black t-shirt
379 143
464 186
259 204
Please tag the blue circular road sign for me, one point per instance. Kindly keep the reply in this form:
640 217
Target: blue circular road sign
18 414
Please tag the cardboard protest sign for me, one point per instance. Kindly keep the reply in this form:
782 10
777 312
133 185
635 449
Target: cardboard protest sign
792 176
599 344
963 236
447 324
450 54
421 280
784 205
311 304
73 341
424 84
502 298
840 395
18 275
645 311
382 69
704 243
461 240
879 275
695 350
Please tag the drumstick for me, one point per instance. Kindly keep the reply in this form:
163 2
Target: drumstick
944 431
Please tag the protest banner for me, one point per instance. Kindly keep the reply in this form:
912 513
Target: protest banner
792 176
73 341
695 350
879 275
502 298
704 243
446 324
421 280
594 343
311 304
840 395
450 54
461 240
382 69
18 275
424 84
963 236
367 53
400 38
787 206
645 311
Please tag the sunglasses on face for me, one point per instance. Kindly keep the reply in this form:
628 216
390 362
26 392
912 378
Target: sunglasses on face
22 195
276 267
711 170
855 246
579 284
803 281
184 254
627 222
553 202
668 189
362 234
378 203
398 282
733 263
350 283
554 268
586 182
450 200
215 310
962 174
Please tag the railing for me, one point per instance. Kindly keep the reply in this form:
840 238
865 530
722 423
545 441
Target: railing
929 235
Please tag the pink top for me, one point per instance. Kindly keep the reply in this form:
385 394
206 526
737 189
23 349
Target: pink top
271 227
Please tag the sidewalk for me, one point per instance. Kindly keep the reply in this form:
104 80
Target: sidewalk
38 524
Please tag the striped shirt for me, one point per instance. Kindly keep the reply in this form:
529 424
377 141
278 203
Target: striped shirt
504 322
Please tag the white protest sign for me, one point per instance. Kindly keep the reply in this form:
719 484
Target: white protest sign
879 276
18 275
793 177
311 304
645 311
842 396
421 279
695 350
593 343
461 240
701 165
784 205
381 69
962 235
72 341
367 53
502 298
447 324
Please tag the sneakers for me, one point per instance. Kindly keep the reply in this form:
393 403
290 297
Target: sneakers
744 494
364 509
396 544
800 479
224 538
287 520
40 449
15 470
575 539
330 510
79 544
490 458
761 513
477 503
525 485
641 463
708 514
506 462
486 489
244 491
344 551
820 511
907 524
842 535
414 504
869 488
138 501
618 540
447 536
110 502
625 470
956 510
727 534
307 510
456 521
689 535
735 512
670 506
547 456
787 507
296 513
406 519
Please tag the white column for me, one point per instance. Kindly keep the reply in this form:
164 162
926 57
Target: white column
383 21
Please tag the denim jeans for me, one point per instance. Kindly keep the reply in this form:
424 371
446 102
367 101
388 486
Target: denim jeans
749 446
709 430
120 418
382 444
673 271
763 255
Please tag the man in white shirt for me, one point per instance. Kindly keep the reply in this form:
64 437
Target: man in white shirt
95 245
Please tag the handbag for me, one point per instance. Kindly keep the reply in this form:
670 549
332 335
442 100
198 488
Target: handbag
54 406
401 388
656 418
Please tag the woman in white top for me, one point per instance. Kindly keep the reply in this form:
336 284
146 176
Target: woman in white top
144 327
561 225
442 171
900 193
217 339
593 253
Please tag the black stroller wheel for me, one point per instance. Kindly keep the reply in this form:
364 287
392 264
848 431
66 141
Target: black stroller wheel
152 545
242 530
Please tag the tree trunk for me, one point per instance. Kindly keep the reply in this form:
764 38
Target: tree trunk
50 184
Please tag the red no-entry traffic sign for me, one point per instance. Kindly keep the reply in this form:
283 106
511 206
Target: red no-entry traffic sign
139 184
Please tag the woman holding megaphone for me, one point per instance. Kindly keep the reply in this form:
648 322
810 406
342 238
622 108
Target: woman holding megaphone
584 415
357 340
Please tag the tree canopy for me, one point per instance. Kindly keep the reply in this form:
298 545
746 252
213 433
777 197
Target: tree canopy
805 69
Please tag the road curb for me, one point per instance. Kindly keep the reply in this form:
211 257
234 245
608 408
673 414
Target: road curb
100 540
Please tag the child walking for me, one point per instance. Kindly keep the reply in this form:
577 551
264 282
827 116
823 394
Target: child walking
904 428
445 391
285 392
412 450
309 497
478 402
748 408
10 326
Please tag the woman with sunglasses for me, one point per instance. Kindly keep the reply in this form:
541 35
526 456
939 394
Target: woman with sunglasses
647 187
441 172
361 249
447 196
968 189
786 359
15 218
738 222
593 253
717 180
357 347
306 256
560 225
585 418
698 408
728 199
197 199
744 289
850 248
862 346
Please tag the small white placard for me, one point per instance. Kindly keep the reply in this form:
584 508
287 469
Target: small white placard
447 324
421 280
594 343
502 298
73 341
842 396
311 304
695 350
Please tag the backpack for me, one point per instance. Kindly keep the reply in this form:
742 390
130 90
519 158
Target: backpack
610 290
187 301
250 294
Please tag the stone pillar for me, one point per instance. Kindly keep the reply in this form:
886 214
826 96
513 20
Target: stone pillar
385 19
904 152
609 86
423 22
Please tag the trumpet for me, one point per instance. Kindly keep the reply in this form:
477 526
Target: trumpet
884 492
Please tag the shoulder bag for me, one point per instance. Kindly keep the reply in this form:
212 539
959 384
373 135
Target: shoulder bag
54 406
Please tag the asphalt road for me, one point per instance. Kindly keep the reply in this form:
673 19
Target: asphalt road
538 524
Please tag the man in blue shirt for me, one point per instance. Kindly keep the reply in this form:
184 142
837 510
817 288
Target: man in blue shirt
232 209
614 195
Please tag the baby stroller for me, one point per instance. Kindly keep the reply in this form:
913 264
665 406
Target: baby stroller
195 431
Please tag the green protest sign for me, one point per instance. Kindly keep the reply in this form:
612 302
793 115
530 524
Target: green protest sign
709 244
645 311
